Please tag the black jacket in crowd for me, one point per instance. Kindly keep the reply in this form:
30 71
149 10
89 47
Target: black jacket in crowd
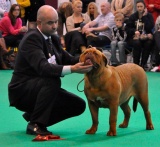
131 24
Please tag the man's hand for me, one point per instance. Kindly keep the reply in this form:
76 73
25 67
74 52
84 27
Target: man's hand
119 24
81 68
89 30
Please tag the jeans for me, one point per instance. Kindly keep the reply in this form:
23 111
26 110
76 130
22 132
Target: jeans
120 45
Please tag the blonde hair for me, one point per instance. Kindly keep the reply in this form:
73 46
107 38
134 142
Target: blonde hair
96 13
119 15
76 2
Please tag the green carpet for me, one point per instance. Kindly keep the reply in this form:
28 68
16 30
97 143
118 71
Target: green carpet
12 125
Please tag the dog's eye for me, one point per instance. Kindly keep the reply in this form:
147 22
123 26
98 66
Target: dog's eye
95 53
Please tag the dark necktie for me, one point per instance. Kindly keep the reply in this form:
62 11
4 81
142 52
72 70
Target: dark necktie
52 50
50 47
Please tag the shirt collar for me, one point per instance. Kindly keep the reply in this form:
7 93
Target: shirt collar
45 37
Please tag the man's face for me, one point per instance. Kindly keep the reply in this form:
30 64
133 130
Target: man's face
49 24
104 9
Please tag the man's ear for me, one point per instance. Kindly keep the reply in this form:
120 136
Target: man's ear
38 22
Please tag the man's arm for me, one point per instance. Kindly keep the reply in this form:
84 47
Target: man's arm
88 25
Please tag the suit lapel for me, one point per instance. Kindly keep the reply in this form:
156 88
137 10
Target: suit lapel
56 49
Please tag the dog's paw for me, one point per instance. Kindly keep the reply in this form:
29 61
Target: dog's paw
111 133
149 127
123 125
92 130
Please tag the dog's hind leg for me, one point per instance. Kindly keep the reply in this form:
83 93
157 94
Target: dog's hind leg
127 112
143 100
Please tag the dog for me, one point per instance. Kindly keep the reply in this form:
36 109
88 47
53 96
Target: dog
109 87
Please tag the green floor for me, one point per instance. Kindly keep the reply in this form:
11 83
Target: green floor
12 125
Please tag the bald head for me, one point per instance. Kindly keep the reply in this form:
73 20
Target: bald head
45 11
107 4
47 20
105 7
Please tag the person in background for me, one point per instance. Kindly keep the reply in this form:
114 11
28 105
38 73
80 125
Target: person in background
64 11
92 10
119 37
85 5
125 7
31 12
157 45
3 52
153 6
35 87
139 30
23 4
11 27
76 41
104 23
5 6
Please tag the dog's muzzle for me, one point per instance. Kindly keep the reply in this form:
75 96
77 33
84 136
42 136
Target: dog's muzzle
90 57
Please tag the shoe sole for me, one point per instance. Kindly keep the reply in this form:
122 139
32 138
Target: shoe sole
33 133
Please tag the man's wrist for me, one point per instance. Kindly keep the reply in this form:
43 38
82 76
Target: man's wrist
66 70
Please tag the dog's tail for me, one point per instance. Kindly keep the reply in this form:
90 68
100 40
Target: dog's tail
135 103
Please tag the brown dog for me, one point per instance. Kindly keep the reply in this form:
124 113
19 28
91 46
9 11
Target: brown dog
109 87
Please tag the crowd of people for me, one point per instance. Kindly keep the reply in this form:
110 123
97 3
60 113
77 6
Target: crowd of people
85 25
41 61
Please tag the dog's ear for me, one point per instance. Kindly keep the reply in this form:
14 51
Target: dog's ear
105 59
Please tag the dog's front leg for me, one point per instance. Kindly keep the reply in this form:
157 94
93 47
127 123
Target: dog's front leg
112 120
94 114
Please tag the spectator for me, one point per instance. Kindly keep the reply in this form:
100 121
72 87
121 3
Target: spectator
157 45
64 11
92 10
3 52
125 7
119 36
139 30
23 4
76 41
35 87
85 5
153 6
5 6
31 12
105 22
11 26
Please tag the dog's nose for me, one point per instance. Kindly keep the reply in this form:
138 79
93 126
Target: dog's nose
89 53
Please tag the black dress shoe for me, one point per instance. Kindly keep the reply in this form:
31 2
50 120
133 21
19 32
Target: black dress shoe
26 116
34 129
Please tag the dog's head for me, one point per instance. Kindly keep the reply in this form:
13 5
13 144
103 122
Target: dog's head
94 57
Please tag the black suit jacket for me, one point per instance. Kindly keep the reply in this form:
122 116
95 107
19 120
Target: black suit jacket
31 63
